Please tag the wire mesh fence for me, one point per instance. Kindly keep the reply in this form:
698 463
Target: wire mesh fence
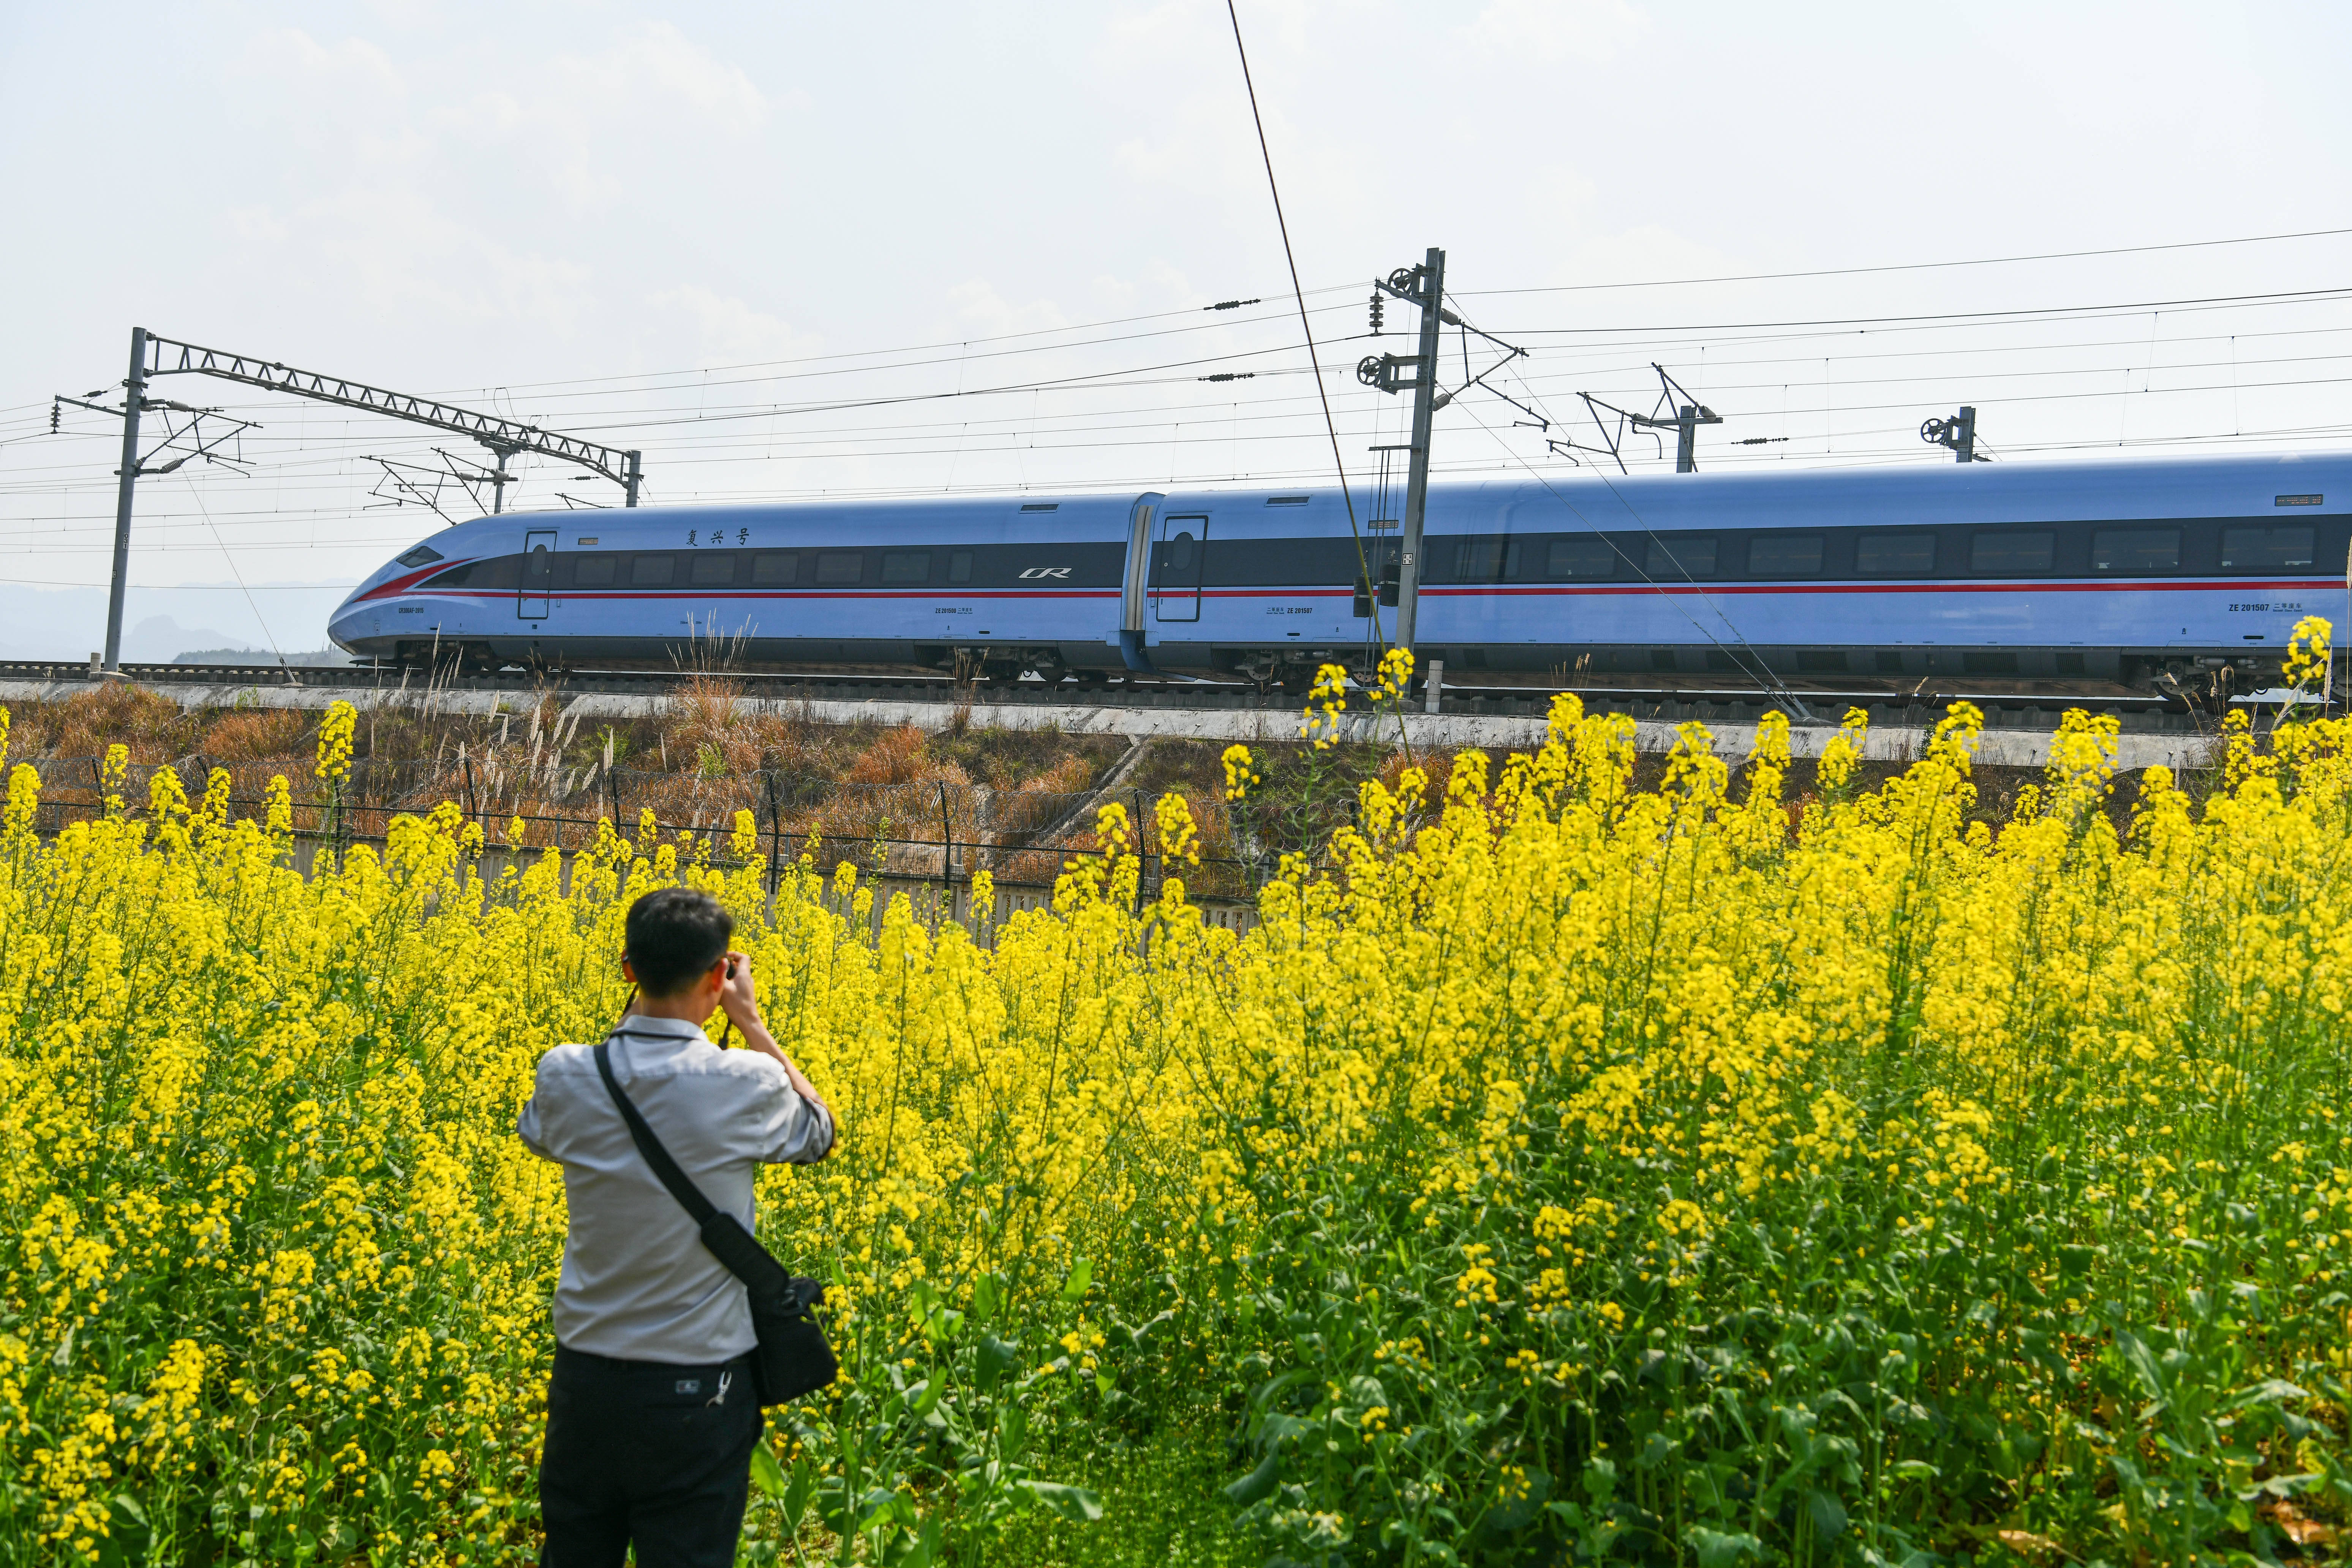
935 830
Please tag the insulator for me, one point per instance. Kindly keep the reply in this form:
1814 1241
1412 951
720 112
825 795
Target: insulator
1378 300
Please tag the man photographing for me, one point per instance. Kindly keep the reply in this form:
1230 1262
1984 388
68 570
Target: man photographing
651 1413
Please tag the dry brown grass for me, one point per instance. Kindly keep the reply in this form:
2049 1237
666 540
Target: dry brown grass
254 733
853 786
707 708
118 713
895 757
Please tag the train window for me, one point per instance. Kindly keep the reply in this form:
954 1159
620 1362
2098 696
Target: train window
841 566
1894 554
592 571
2252 549
1180 550
774 566
712 566
653 571
2007 552
905 566
1785 555
1681 555
1488 559
497 572
423 555
960 567
2134 549
1587 555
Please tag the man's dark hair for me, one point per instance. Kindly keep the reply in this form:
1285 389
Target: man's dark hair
675 934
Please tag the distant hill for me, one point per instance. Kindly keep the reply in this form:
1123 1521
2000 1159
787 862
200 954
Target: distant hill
66 624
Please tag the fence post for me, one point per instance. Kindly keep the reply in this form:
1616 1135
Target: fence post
1141 863
775 838
946 852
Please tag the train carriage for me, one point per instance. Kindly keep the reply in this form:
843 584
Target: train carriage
2150 572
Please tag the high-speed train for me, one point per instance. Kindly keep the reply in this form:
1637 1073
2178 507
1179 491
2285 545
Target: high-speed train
2149 572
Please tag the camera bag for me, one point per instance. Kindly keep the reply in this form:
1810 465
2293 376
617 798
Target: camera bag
793 1358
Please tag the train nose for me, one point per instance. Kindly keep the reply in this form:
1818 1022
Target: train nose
355 624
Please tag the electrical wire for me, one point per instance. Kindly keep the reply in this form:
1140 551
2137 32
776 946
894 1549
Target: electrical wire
2023 312
1363 567
1910 266
267 634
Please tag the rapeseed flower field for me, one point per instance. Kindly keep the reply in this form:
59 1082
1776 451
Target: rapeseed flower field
1559 1172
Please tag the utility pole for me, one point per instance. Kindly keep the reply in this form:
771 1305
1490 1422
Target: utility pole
1424 286
1683 420
134 392
1958 433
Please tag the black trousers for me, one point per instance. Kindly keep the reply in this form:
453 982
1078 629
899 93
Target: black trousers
648 1453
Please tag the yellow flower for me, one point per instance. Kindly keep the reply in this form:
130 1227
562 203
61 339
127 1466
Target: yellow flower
2307 657
1241 773
335 733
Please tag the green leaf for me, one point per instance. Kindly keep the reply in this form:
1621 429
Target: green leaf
1082 1273
926 1548
2269 1391
2137 1357
1717 1550
1076 1504
1827 1513
924 1397
1258 1484
1274 1386
984 1297
994 1359
766 1474
798 1494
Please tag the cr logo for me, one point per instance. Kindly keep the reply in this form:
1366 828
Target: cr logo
1028 572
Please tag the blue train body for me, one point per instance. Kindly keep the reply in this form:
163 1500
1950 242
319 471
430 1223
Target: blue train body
2112 570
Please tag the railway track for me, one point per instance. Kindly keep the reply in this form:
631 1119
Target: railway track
2020 706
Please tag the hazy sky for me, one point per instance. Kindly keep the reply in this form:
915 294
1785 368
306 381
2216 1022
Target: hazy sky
703 231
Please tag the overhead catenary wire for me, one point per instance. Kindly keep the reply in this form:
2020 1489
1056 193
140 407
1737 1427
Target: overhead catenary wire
1762 671
2128 307
1909 265
260 620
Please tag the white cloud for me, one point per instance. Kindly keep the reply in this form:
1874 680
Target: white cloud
1645 253
978 306
724 330
1550 31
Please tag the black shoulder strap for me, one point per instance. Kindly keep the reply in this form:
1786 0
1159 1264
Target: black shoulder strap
684 1191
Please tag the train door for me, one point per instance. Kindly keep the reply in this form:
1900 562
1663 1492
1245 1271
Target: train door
537 574
1132 581
1176 563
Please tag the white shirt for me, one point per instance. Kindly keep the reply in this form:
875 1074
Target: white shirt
638 1283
